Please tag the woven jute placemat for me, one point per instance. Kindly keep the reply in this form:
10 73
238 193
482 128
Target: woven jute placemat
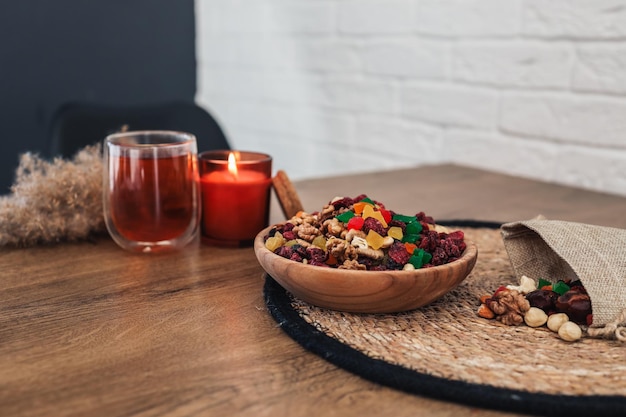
445 351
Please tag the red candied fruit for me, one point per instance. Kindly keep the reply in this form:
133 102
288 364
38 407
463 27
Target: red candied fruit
355 223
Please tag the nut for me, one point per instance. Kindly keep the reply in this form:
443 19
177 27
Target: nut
485 312
525 286
555 321
387 241
509 307
570 331
535 317
359 242
408 267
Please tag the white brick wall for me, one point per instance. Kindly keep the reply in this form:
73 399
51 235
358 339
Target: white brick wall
533 88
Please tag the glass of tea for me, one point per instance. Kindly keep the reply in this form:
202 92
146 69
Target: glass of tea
151 189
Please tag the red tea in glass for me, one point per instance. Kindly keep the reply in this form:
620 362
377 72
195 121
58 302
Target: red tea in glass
151 198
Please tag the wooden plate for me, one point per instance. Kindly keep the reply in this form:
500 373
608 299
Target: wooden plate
365 291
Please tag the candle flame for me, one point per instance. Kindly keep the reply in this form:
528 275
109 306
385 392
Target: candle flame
232 165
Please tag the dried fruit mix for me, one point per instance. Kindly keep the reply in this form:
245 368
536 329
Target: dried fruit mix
361 233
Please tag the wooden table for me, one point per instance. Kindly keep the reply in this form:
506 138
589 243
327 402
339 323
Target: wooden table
87 329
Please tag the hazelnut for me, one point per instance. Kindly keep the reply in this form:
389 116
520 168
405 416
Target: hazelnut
408 267
555 321
570 331
535 317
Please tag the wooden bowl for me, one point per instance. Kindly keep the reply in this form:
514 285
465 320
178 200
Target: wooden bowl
364 291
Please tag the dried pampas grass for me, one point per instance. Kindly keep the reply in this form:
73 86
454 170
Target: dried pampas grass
54 201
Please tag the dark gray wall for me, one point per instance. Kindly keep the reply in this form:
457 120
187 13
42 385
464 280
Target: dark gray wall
107 51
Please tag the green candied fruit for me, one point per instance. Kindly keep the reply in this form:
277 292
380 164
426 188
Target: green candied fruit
413 228
410 238
367 200
420 258
345 216
560 288
404 219
543 283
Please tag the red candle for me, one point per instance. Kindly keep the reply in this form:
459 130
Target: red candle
235 196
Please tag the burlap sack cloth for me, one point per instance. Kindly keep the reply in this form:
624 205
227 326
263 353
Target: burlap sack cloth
554 249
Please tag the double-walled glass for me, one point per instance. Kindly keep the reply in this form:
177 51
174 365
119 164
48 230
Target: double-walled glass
150 189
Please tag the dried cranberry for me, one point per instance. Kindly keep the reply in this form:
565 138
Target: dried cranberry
368 262
452 250
430 241
373 224
315 254
344 202
398 223
439 256
284 251
457 235
295 256
422 217
398 253
289 235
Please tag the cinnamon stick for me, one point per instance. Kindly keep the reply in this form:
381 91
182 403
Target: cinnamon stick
287 194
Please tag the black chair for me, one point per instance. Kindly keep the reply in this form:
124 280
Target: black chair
76 125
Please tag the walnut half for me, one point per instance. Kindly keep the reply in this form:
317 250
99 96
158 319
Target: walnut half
509 306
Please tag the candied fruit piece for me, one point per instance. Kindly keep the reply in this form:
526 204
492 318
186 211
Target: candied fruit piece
413 228
369 211
356 223
404 219
320 242
358 207
345 216
274 242
386 215
420 258
374 239
410 247
395 232
410 238
560 288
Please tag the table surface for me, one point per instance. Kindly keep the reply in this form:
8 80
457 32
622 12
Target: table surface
89 329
